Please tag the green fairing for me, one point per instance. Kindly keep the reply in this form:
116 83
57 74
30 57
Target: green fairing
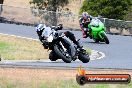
97 32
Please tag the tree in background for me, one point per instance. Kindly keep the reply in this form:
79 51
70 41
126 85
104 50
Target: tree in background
50 5
129 15
1 6
113 9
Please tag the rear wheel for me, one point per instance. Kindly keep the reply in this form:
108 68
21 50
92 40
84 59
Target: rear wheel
105 38
84 57
53 56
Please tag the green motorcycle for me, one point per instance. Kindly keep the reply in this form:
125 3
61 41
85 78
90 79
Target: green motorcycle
97 31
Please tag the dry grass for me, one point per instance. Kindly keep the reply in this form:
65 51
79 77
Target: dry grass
17 48
32 78
50 78
17 3
26 75
25 3
17 14
25 15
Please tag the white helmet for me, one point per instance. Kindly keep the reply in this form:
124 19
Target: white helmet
40 27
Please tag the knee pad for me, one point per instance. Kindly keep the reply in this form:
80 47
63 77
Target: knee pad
69 34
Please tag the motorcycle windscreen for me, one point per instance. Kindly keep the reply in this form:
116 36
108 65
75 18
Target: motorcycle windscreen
95 22
96 25
47 32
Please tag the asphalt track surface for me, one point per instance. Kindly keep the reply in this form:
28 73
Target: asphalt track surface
118 54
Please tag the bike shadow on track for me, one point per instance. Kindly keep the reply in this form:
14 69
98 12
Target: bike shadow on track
58 61
92 42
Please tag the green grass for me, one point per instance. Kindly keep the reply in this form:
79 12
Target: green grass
88 50
4 49
3 46
13 48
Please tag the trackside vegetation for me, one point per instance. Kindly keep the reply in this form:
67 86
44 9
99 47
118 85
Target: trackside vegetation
112 9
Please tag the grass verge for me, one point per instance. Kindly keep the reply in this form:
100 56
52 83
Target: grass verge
88 50
45 78
14 48
71 83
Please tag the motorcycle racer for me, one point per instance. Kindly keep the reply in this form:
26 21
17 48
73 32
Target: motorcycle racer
84 21
42 29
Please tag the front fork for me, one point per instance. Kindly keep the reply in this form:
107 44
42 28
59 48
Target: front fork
63 47
101 35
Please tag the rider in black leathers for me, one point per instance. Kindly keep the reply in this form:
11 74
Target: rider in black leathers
68 34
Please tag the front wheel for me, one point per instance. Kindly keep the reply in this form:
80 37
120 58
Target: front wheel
62 54
105 38
84 57
96 40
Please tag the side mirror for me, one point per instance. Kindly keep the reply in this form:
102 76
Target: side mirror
60 26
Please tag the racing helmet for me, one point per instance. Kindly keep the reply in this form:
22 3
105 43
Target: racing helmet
85 15
40 27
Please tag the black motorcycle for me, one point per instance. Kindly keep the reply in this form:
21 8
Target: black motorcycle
62 47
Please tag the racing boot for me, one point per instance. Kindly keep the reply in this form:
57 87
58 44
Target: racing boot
78 44
45 45
84 34
80 48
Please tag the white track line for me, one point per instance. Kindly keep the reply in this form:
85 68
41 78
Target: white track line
19 36
102 55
